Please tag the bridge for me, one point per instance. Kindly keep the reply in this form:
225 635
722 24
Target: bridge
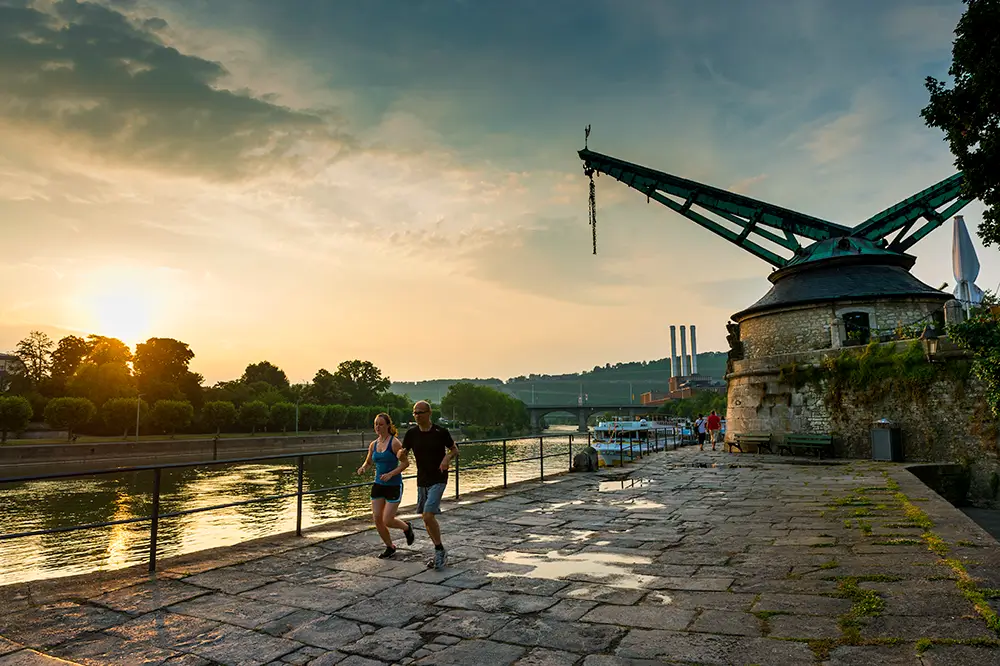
583 412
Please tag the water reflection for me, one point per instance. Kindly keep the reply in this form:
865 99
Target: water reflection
41 505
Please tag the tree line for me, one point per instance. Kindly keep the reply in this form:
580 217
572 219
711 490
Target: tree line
98 385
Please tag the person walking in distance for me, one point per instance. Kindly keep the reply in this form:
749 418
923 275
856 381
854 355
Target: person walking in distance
714 424
699 427
390 459
433 449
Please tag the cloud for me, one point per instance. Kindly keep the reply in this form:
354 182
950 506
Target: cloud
88 73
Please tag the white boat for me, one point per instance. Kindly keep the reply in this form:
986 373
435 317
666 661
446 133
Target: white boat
618 442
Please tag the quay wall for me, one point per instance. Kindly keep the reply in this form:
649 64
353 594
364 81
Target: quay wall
947 422
48 458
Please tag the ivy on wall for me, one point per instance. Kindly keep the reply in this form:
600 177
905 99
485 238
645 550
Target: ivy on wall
872 372
980 334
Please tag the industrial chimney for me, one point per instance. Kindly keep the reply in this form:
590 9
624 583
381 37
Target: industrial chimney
673 351
684 352
694 352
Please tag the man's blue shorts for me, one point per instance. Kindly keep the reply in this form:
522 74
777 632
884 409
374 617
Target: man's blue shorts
429 498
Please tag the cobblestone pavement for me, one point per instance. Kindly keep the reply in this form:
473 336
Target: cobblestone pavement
701 558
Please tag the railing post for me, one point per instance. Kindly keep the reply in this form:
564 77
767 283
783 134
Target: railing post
456 478
154 525
505 463
571 452
621 453
298 498
541 458
631 450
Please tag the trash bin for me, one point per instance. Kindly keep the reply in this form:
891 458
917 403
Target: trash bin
887 441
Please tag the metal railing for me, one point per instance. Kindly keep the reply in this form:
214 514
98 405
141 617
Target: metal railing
658 443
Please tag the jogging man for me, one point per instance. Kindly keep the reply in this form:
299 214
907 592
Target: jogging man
433 449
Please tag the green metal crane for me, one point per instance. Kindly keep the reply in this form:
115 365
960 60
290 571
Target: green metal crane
910 219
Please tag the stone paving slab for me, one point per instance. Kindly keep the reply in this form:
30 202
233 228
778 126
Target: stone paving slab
696 557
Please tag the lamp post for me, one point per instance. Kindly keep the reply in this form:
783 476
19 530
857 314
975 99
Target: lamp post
929 338
138 404
297 401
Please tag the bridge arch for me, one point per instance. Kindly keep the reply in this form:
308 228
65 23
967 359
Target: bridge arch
582 412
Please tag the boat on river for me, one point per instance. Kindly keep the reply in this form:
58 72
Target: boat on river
619 441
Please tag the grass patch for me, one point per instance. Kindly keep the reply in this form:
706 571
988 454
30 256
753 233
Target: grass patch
870 578
966 544
898 542
861 513
853 500
821 648
822 545
848 524
925 644
865 526
832 564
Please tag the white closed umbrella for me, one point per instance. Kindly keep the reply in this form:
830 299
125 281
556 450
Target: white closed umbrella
965 266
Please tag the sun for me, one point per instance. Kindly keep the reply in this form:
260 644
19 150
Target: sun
124 302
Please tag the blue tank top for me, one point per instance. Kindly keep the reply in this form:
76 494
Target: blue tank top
386 461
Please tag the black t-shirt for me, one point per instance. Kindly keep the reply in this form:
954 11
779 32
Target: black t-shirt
428 450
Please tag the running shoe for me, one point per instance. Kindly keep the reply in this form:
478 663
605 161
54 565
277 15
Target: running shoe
387 553
408 532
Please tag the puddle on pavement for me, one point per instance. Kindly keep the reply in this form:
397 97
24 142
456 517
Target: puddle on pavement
641 505
554 506
605 568
622 484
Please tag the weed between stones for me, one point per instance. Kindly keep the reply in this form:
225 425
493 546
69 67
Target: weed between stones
925 644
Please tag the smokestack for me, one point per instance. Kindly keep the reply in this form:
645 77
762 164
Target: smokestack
684 352
694 352
673 351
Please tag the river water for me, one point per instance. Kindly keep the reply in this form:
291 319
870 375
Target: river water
40 505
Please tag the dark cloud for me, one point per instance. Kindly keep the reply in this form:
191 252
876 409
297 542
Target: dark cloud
89 72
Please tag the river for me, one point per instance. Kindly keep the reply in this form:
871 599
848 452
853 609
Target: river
40 505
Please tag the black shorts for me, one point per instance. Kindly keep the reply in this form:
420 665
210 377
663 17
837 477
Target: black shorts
390 493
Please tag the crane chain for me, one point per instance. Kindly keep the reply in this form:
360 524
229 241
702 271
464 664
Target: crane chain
593 208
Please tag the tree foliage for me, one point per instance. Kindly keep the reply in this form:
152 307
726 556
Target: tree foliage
35 351
218 414
69 413
980 334
15 415
969 112
700 402
172 415
120 413
254 414
360 381
484 407
101 382
66 358
161 371
265 372
282 416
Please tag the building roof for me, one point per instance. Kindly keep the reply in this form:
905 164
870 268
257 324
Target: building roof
857 277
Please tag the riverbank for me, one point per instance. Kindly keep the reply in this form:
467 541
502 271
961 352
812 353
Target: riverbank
695 557
25 460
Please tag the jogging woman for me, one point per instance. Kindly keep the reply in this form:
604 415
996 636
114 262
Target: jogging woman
387 490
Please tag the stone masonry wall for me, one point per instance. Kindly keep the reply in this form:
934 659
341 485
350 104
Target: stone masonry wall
950 424
807 327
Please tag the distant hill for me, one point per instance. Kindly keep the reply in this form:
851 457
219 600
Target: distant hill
608 383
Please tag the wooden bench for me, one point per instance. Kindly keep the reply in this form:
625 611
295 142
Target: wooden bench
761 439
820 443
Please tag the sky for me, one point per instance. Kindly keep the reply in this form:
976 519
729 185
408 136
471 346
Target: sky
309 182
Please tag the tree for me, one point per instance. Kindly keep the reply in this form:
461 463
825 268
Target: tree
283 415
101 350
311 416
361 381
265 372
15 415
66 358
35 351
161 370
218 413
101 382
69 413
120 413
254 414
969 113
172 415
326 389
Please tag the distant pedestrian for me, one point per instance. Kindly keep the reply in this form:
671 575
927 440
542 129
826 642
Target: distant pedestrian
699 427
390 459
714 424
433 448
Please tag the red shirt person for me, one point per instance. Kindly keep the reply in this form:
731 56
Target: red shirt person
713 426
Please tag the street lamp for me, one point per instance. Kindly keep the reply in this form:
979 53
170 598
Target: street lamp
297 401
929 338
138 404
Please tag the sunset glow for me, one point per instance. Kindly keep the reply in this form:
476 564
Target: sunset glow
310 182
